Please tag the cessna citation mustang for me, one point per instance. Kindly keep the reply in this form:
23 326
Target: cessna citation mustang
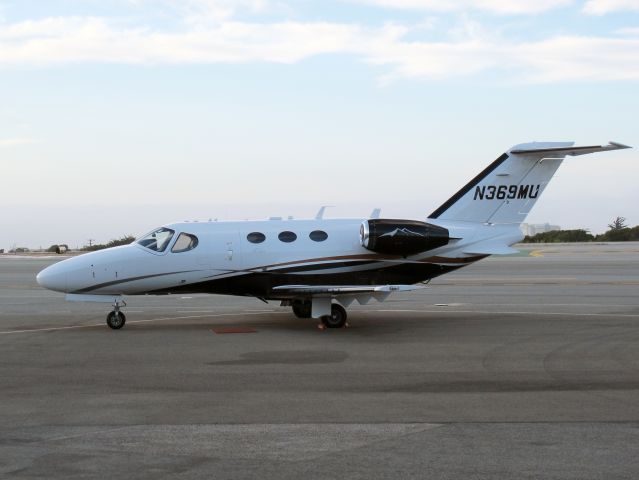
319 267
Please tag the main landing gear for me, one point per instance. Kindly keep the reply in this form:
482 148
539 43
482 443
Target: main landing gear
116 319
304 309
337 318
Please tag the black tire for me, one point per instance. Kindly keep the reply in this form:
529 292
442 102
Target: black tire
302 309
116 320
337 318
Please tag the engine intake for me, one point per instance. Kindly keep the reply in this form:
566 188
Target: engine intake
401 237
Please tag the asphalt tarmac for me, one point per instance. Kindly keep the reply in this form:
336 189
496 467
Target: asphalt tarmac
516 367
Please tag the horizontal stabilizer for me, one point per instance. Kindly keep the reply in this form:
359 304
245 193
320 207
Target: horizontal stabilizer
572 151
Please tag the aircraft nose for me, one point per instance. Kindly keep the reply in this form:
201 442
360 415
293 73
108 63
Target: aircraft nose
53 278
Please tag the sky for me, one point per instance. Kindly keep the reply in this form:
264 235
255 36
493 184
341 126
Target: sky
117 116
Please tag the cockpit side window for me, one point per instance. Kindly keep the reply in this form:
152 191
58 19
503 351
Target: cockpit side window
184 243
157 240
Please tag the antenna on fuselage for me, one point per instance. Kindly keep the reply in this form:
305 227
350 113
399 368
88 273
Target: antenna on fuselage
375 213
320 213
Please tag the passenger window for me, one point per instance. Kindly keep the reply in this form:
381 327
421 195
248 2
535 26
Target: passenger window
318 235
157 240
256 237
287 237
184 243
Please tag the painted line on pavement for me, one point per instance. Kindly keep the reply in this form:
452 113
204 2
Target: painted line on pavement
93 325
483 312
440 311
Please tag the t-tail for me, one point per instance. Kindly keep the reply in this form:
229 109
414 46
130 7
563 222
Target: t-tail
508 188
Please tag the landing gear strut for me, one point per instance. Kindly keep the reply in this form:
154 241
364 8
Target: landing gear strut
116 319
337 318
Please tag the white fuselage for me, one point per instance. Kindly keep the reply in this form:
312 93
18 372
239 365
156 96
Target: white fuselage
225 261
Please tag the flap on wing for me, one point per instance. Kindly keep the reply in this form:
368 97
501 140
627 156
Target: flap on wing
344 289
569 150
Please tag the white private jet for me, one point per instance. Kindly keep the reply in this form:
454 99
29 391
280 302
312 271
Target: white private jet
320 266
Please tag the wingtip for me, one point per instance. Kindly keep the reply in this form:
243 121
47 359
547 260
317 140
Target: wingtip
619 145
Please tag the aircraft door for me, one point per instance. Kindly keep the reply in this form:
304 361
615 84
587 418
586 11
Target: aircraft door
222 251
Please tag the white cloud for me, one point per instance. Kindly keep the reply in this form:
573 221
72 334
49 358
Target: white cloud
629 31
554 60
73 40
494 6
13 142
574 58
205 11
601 7
467 51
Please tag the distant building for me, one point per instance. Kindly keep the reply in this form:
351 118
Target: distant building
531 229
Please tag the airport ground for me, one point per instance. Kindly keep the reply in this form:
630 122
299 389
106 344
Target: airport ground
516 367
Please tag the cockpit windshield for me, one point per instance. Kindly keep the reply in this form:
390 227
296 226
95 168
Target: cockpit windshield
157 240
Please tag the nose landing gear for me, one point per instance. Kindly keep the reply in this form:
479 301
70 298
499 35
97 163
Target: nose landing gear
116 319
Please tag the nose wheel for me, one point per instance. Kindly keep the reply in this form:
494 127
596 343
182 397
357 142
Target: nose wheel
116 319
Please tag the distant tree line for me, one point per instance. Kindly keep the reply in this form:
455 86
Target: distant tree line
64 248
618 232
113 243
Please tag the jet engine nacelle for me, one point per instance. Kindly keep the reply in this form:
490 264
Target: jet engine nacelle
401 237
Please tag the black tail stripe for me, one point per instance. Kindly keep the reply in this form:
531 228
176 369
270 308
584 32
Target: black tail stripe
469 186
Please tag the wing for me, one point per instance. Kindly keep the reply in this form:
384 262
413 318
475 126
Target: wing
346 293
343 289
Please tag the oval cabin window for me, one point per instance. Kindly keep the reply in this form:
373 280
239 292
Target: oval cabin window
318 235
287 237
256 237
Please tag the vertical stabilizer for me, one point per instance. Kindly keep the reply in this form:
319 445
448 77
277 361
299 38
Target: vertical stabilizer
507 190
